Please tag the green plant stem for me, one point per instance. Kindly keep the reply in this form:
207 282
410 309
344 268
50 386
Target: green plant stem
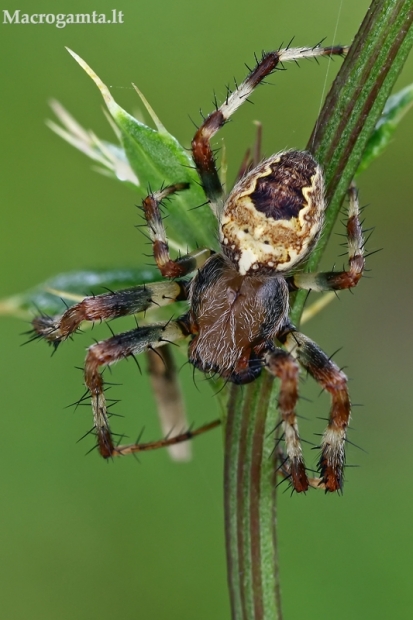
347 119
250 489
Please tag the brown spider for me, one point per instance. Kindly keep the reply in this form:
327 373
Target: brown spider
238 298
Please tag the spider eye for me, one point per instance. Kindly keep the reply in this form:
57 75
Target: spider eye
274 215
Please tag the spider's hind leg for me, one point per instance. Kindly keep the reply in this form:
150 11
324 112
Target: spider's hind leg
112 350
282 365
167 442
284 470
334 381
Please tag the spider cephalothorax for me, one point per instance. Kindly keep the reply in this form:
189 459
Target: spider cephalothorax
237 320
234 317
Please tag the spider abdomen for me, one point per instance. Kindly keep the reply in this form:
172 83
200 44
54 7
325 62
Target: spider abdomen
274 215
233 317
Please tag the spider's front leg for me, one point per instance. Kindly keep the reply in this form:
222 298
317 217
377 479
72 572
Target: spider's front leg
56 329
112 350
339 280
202 152
152 212
334 381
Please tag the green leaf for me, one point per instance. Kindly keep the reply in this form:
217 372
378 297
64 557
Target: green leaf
72 287
158 159
396 107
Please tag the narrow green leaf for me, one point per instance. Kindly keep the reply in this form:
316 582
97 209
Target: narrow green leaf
396 107
158 159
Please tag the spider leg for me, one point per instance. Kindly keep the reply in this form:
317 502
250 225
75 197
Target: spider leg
334 381
338 280
168 442
282 365
284 470
112 350
202 152
56 329
168 396
168 267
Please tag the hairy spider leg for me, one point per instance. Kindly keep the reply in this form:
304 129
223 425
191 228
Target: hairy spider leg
334 381
169 268
282 365
112 350
284 470
169 399
56 329
202 152
338 280
165 443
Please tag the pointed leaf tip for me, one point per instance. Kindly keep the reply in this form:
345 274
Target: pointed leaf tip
110 102
156 157
159 125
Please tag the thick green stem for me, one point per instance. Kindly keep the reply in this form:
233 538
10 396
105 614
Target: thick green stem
250 505
349 115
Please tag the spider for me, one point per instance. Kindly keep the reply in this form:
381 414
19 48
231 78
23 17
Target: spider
238 298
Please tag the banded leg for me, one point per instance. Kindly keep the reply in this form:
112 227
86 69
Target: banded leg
202 152
282 365
338 280
168 267
284 470
56 329
112 350
334 381
168 442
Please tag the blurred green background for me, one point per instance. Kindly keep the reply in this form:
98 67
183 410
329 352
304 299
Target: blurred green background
81 538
